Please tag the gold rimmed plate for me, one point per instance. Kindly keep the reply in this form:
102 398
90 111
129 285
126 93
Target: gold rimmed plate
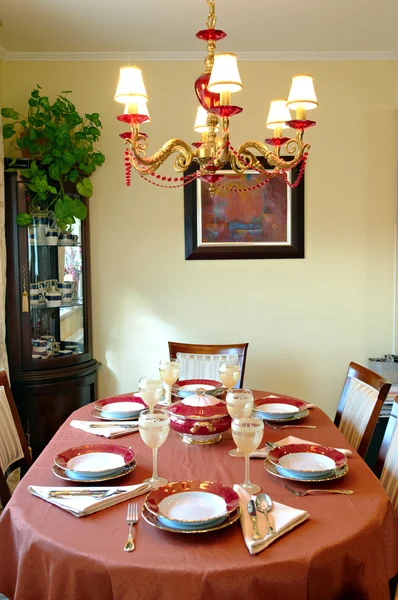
63 474
337 473
300 415
152 519
100 415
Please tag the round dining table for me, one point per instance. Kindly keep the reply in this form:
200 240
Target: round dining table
346 550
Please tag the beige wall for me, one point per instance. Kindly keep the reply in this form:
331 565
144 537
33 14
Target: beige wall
304 319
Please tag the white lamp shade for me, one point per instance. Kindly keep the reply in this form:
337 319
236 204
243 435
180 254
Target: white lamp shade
302 93
131 86
225 74
138 107
278 115
201 121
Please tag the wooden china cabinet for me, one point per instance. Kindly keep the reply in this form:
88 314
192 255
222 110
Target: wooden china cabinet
48 329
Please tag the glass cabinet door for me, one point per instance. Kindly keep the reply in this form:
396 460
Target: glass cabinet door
56 298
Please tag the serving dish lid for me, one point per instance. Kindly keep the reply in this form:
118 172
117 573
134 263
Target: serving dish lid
199 407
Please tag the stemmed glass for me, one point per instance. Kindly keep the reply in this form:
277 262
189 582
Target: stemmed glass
151 390
154 427
248 433
239 405
169 371
229 371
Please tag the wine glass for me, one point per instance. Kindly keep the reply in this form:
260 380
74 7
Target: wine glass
248 433
169 371
154 427
229 373
239 405
151 390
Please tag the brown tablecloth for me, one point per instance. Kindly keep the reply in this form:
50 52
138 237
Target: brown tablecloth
348 549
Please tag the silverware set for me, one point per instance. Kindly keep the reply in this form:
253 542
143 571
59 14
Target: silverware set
132 519
264 505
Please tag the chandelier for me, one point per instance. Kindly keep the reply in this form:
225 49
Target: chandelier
214 89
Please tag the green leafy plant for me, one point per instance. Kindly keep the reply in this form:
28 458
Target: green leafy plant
60 144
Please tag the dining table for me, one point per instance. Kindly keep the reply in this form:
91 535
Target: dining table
346 550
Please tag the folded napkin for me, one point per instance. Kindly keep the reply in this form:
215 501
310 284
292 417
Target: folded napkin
308 405
291 439
283 518
80 506
112 429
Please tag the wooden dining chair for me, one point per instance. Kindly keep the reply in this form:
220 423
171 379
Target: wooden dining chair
202 361
14 450
387 461
360 404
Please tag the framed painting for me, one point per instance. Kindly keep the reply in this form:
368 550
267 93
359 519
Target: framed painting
236 223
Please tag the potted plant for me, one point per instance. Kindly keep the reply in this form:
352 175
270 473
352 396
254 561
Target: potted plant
60 144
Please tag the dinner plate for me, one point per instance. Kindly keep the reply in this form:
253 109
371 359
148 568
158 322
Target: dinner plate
280 408
336 474
95 460
192 502
294 417
153 520
187 387
98 414
120 407
70 476
316 454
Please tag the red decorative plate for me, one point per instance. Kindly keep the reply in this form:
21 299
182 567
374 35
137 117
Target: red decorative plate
297 405
205 501
127 403
276 454
70 459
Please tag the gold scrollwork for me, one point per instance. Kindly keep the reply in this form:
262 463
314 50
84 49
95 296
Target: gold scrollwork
199 424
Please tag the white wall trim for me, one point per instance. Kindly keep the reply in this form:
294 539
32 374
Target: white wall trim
193 56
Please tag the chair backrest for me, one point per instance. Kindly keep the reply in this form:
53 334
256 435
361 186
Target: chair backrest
360 404
202 361
387 460
14 450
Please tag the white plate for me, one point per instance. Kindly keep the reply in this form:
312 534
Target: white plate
194 386
335 474
275 410
292 417
196 507
123 408
306 463
96 463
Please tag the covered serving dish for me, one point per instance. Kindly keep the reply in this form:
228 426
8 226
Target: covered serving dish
199 419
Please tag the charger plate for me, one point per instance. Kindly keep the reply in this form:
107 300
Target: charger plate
98 414
153 520
340 472
63 474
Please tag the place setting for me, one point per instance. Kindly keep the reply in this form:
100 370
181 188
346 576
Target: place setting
282 411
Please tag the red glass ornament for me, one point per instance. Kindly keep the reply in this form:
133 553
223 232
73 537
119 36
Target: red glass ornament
211 34
206 98
212 178
298 124
276 141
126 135
137 119
226 111
196 144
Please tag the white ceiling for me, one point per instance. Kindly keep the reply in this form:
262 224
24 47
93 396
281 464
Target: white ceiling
168 26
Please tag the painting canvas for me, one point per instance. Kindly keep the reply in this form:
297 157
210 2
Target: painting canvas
265 222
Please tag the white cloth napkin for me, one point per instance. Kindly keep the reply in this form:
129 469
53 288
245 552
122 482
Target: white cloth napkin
112 429
283 518
80 506
291 439
308 405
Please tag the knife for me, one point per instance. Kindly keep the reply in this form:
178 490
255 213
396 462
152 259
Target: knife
251 509
130 426
71 493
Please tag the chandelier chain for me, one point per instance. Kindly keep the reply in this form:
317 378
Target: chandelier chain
211 19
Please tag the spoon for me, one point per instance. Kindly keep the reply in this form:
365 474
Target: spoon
264 505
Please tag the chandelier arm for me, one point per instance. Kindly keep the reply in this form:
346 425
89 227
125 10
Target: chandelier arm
150 164
245 159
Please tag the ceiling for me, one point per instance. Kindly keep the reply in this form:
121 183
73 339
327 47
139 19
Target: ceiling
315 27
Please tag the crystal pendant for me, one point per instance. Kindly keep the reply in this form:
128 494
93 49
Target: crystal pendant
206 98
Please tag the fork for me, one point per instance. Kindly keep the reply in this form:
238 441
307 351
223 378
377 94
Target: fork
291 426
297 493
132 519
